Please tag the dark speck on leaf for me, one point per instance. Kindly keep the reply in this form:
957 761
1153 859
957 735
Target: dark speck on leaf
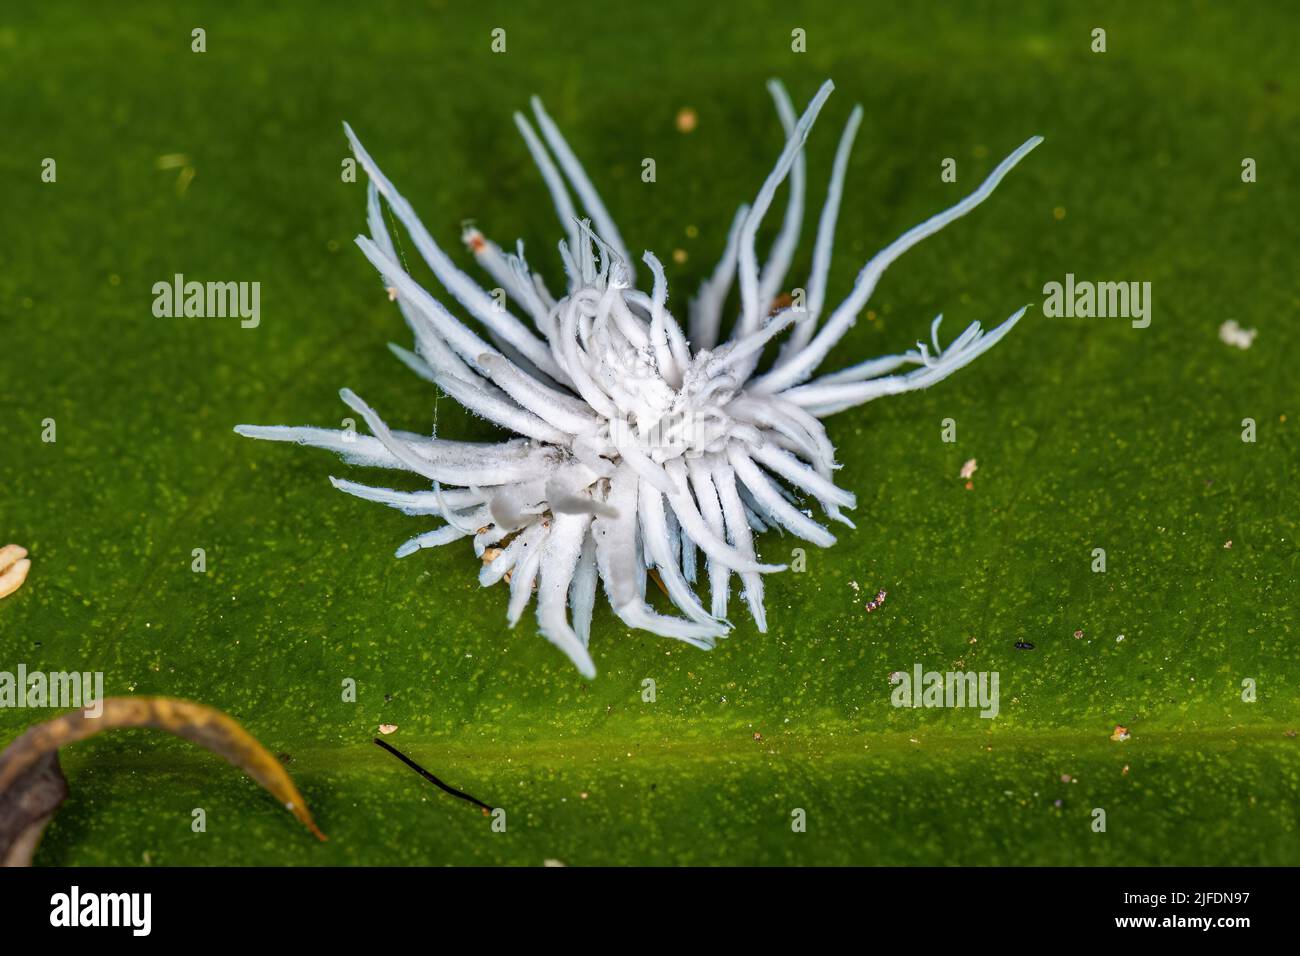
1024 646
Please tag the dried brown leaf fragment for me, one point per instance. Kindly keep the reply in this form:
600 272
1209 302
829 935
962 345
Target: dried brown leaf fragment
32 785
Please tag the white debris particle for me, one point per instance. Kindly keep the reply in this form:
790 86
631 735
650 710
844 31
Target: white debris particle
1230 333
14 565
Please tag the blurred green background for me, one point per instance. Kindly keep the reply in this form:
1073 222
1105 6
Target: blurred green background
1088 433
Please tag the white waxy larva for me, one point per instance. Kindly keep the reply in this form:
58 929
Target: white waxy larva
639 446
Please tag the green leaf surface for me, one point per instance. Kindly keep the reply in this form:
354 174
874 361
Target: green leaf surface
1089 433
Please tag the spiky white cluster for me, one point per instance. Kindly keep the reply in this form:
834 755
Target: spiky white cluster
642 444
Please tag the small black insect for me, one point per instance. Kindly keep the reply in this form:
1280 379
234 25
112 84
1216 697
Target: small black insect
1024 646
